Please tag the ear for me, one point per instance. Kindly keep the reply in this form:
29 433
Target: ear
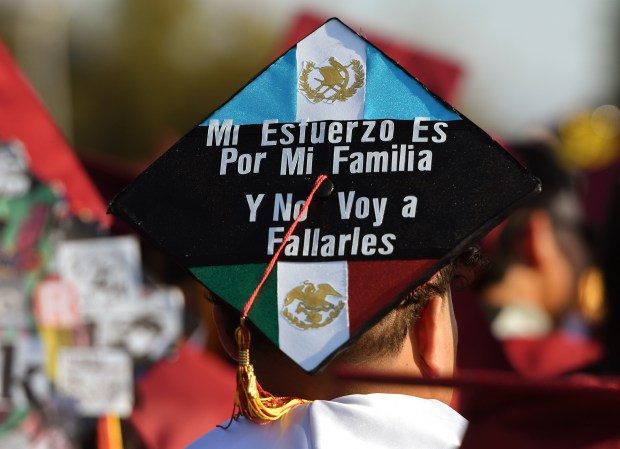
434 334
221 319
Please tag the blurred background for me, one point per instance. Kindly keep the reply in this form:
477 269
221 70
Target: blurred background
124 79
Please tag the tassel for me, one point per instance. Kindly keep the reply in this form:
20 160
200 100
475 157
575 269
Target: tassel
251 400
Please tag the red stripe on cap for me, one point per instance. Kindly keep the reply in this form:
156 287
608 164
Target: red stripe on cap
372 285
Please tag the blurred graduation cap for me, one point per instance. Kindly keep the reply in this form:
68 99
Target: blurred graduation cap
410 183
23 119
172 410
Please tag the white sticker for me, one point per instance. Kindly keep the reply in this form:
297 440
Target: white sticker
106 271
15 179
147 328
13 310
100 380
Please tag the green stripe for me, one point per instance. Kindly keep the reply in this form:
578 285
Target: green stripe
235 284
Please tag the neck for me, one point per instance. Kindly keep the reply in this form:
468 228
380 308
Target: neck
281 377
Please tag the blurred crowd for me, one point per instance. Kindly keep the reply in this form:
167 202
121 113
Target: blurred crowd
106 343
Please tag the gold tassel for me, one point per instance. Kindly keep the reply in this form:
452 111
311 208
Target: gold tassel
251 400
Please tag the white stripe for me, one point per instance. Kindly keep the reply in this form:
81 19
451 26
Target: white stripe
310 346
331 40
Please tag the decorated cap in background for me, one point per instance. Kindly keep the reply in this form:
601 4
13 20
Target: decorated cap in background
410 183
50 159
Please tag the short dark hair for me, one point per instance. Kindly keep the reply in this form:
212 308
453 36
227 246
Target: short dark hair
388 335
386 338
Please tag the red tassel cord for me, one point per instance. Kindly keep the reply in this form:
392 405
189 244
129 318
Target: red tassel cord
251 401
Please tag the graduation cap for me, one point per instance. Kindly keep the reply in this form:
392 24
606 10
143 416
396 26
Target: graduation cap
409 183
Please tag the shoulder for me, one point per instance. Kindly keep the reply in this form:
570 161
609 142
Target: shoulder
288 431
388 420
365 421
395 406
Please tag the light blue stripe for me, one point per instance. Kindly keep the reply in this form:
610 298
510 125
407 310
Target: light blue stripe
392 93
271 95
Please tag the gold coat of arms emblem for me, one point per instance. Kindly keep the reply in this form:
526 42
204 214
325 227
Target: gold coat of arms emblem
307 307
331 82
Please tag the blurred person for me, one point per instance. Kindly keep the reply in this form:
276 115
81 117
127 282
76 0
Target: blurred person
530 286
532 290
610 326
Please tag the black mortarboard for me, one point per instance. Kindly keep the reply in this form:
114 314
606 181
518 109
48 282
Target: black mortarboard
411 182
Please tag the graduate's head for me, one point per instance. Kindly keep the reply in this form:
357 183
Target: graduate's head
319 204
411 317
387 337
418 336
380 341
543 245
